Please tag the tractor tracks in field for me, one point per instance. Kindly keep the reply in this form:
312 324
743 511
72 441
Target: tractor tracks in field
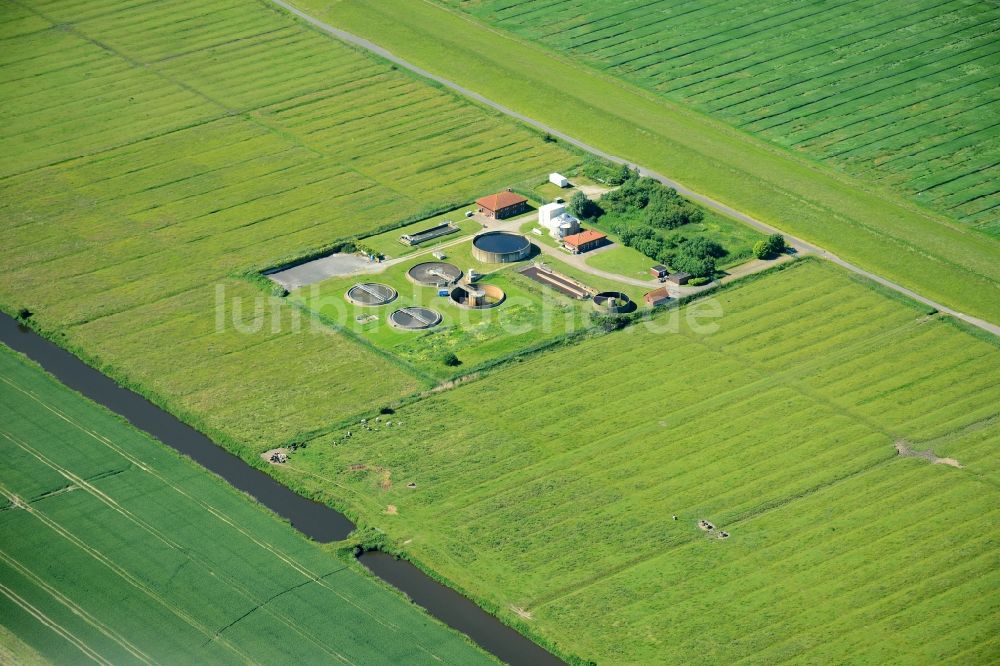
799 244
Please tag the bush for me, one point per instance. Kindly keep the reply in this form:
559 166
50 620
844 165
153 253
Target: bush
777 244
699 281
582 207
24 314
760 249
771 246
451 360
696 266
610 322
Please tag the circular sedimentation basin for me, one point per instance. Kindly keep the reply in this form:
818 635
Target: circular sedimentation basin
435 274
414 318
371 294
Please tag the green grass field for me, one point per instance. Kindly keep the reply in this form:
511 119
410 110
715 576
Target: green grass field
898 93
548 488
863 220
105 555
155 151
622 260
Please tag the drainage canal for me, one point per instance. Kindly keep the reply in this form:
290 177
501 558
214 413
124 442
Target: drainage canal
315 520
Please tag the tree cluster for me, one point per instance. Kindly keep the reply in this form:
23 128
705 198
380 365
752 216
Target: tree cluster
771 246
696 255
659 206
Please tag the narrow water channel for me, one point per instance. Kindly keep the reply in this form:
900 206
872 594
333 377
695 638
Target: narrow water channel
313 519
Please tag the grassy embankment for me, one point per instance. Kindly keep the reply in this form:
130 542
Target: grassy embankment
546 489
118 549
863 223
156 153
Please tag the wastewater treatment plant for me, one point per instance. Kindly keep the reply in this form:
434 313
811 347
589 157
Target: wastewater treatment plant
468 332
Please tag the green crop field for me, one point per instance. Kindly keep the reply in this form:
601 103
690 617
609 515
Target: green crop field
902 93
105 555
865 220
547 490
155 152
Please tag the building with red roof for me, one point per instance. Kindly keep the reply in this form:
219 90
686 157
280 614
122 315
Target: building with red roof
656 297
502 205
584 241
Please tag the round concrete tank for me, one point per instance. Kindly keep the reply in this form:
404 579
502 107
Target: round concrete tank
414 318
500 247
478 297
613 302
371 294
435 274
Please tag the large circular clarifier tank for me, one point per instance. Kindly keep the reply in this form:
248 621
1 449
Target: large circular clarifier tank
435 274
371 294
414 318
500 247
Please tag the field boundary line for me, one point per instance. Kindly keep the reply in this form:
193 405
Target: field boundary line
706 201
76 609
53 625
122 573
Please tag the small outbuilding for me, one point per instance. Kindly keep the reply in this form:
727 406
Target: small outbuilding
656 297
584 241
558 180
502 205
679 278
659 271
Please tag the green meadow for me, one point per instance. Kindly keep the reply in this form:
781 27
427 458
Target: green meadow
547 489
156 153
861 217
104 555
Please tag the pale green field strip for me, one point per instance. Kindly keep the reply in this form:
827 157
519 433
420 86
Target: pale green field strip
120 550
902 93
859 219
778 427
155 150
